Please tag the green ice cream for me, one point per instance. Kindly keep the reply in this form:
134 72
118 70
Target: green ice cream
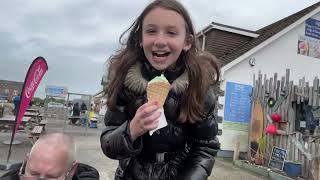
161 78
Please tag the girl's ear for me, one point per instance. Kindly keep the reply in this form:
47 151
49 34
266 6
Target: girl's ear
140 44
188 43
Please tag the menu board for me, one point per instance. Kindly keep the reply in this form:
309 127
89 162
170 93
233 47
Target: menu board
56 91
237 103
277 158
312 28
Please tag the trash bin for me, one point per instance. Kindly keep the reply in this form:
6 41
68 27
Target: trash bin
93 124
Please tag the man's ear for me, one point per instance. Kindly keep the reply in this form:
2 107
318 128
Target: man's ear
73 169
188 43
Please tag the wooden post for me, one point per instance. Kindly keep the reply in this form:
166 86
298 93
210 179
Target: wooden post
260 86
253 98
316 162
317 168
236 150
318 96
306 92
310 96
287 81
315 91
302 88
299 92
275 80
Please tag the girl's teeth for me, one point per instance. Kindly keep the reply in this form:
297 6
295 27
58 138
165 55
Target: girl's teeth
160 54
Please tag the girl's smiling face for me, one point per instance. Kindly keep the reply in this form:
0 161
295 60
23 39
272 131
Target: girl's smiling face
164 36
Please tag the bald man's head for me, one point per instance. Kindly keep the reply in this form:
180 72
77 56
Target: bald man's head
57 141
53 155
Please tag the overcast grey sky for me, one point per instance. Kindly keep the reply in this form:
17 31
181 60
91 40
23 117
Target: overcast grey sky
76 37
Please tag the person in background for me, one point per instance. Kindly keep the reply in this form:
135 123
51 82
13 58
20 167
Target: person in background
161 40
83 107
70 108
31 103
76 113
52 157
16 101
84 114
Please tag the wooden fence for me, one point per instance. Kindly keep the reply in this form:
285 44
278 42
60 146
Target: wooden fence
303 148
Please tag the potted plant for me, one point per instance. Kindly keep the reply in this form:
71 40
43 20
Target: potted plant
258 159
259 156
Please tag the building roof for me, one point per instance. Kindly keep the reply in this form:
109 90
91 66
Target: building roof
219 39
10 82
228 28
267 32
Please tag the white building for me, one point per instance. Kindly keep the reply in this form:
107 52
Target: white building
291 43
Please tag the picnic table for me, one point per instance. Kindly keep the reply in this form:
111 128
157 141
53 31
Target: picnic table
80 121
32 110
33 114
10 121
33 130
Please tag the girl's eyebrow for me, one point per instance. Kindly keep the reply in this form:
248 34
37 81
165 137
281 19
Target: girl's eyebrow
172 27
150 25
168 27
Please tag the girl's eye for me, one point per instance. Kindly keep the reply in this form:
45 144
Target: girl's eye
34 174
151 31
172 32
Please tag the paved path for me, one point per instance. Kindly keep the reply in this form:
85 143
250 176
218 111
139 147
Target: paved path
89 152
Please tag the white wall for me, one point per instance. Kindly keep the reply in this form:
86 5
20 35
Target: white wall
276 57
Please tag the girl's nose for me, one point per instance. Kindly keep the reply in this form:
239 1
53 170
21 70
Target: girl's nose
160 41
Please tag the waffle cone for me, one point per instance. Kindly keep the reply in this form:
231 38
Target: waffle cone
158 91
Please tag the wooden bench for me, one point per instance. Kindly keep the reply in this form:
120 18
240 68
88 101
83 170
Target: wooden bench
78 122
40 116
37 130
43 123
35 133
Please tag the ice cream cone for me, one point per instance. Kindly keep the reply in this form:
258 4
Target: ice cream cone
158 89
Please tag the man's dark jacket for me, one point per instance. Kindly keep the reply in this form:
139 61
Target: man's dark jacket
83 172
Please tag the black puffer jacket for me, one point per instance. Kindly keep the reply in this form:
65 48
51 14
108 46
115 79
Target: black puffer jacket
189 148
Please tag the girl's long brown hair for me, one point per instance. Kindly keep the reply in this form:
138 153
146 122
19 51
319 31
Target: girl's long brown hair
195 63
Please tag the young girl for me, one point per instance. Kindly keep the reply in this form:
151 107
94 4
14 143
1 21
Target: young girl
161 41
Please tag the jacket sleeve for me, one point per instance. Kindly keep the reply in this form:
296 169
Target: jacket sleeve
13 172
115 139
86 172
203 144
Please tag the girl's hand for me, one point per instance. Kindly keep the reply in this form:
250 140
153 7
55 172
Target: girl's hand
146 119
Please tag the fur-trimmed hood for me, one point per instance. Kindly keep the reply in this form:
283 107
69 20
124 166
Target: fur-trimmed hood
137 83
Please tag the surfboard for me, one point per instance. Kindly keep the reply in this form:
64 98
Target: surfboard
256 126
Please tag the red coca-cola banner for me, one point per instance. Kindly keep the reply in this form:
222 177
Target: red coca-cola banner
34 75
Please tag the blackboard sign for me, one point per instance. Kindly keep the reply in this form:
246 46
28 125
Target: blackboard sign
277 158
